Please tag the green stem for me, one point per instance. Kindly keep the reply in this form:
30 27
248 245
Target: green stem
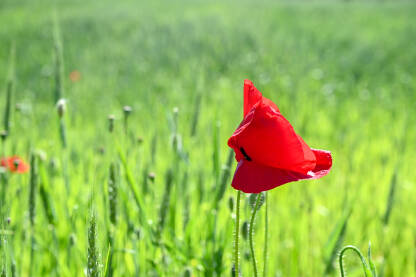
266 233
358 252
253 215
237 229
62 132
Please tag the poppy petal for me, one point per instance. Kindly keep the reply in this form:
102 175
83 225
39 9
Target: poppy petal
323 161
251 96
269 139
252 177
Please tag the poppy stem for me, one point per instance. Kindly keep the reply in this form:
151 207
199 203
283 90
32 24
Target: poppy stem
266 233
237 229
253 215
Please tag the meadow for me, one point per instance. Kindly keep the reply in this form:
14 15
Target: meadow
131 176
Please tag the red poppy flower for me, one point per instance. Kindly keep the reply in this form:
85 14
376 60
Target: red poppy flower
75 76
268 151
14 164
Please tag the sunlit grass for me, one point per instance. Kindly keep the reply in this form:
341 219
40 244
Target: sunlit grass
342 73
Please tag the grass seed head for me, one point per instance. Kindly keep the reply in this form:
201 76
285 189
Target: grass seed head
93 260
3 135
41 155
247 255
33 182
231 203
72 239
61 107
111 119
138 233
244 230
127 110
187 272
112 193
151 176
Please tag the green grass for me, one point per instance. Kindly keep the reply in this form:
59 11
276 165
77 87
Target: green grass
343 73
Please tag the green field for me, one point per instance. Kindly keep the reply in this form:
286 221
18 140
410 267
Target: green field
343 73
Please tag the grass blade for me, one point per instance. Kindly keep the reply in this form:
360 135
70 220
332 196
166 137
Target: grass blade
133 186
390 199
197 112
226 172
59 65
216 150
9 89
165 201
335 239
370 261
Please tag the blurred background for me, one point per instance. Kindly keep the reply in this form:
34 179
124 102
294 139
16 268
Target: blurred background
342 72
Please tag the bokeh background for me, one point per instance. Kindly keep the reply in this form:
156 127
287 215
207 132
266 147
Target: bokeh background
342 72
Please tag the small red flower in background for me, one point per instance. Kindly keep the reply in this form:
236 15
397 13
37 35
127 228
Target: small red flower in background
75 76
15 164
268 151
